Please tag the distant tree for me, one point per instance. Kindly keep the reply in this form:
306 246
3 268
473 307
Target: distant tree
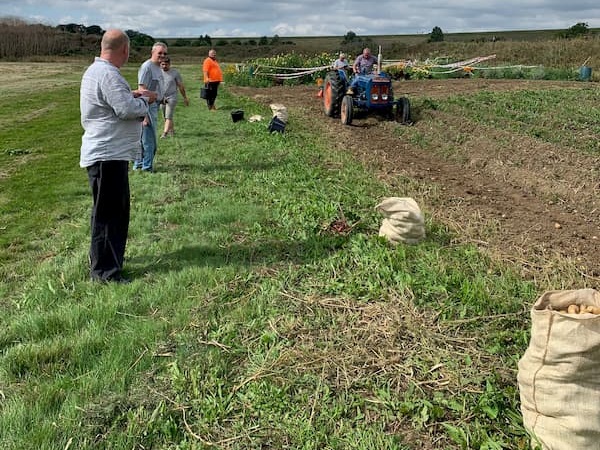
236 42
138 39
263 41
203 41
94 29
349 37
352 44
251 42
577 30
275 40
72 28
222 42
436 35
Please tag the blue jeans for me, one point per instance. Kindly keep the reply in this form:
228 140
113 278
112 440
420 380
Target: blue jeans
354 81
148 140
343 75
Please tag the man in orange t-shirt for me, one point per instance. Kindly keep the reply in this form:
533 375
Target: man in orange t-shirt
212 77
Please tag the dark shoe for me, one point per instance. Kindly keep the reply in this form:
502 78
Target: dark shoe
118 279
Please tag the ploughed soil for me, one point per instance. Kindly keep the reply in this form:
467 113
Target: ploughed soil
516 197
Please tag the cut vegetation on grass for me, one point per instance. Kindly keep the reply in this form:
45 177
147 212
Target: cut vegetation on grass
254 320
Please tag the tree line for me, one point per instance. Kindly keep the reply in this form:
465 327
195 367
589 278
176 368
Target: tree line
19 39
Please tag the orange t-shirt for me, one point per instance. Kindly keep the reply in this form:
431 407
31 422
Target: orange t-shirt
213 69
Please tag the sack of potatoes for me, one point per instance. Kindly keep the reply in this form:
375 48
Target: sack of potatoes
558 373
403 220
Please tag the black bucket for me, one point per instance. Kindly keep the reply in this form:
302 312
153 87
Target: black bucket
276 125
237 115
585 73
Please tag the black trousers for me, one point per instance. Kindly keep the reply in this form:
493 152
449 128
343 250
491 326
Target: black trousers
213 88
109 181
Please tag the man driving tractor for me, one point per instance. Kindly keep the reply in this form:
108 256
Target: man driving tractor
362 64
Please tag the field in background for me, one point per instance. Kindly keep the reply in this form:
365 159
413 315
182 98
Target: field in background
517 47
537 47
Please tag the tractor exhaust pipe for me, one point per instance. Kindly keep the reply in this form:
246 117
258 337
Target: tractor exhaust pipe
379 58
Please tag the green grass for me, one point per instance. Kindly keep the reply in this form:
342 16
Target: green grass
249 324
539 114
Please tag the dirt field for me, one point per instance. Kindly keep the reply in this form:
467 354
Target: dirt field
519 198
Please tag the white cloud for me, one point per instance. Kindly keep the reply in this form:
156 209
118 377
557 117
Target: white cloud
248 18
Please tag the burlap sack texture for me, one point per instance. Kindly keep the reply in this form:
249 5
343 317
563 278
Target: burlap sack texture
279 111
559 374
403 220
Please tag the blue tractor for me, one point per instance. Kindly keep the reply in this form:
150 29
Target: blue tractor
371 92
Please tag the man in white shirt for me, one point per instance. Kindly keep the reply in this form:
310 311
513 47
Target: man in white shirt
111 117
341 62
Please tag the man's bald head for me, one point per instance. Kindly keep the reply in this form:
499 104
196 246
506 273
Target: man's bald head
115 47
114 40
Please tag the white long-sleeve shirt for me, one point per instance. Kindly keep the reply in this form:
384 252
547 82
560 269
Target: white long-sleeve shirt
110 116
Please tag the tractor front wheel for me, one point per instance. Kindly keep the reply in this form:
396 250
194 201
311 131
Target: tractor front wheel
347 110
403 111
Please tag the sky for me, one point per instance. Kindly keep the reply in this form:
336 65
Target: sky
294 18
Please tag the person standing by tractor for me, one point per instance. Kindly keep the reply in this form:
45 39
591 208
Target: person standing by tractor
362 64
341 62
213 76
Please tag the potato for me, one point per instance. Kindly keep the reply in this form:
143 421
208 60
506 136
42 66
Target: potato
589 309
583 309
580 309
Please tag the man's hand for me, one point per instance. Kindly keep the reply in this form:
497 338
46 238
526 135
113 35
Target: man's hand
150 96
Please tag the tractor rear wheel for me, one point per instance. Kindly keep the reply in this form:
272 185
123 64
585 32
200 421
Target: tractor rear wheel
333 91
403 111
347 110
